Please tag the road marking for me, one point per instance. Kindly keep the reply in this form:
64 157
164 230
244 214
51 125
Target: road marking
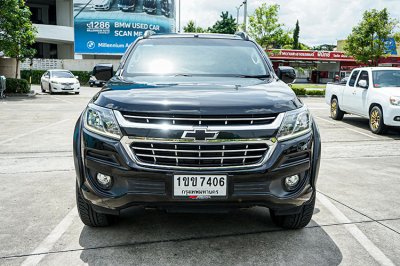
61 99
367 244
48 243
356 131
326 120
33 131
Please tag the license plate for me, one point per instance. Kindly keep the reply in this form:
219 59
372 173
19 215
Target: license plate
200 186
67 87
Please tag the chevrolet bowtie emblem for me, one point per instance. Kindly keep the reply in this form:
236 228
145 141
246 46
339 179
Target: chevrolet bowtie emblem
200 134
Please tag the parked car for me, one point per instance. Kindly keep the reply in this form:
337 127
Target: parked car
101 74
370 92
166 7
127 5
59 80
150 6
102 4
192 123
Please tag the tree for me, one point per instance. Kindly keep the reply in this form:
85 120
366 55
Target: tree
296 35
396 37
227 24
192 28
265 28
17 33
366 43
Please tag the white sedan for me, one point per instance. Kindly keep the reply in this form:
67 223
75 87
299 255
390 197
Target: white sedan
59 80
102 5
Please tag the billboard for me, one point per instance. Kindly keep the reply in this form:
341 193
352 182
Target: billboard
110 26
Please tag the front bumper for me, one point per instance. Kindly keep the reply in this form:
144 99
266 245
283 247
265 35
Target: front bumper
135 185
65 88
126 8
389 115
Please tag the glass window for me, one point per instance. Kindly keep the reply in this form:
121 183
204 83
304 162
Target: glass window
386 78
363 76
62 74
353 78
195 56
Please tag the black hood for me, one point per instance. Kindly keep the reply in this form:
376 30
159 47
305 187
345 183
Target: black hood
197 96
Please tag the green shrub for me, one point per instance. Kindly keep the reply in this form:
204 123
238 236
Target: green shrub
17 86
299 91
316 92
37 74
83 76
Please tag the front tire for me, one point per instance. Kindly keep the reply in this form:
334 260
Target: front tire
41 87
376 123
295 221
88 215
336 113
50 90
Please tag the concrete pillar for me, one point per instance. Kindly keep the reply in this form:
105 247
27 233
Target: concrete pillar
7 67
65 51
64 9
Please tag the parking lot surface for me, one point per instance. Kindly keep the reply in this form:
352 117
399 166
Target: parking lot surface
356 220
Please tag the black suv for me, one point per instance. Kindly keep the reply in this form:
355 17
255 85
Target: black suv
150 6
193 123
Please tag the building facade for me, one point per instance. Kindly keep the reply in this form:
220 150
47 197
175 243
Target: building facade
55 25
321 66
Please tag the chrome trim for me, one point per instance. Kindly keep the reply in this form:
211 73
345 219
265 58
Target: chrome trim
199 151
127 141
199 119
127 124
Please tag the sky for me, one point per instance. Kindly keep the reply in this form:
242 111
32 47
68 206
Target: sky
321 21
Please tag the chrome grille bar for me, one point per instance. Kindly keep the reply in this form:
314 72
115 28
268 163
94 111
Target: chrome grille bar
199 158
201 151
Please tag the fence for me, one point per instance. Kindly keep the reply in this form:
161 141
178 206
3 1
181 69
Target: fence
70 64
42 64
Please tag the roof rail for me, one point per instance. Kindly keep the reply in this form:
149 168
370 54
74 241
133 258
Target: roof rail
148 33
243 35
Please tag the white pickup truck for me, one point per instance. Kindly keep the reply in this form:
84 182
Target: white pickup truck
371 92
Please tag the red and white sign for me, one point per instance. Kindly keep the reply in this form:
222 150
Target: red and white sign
309 55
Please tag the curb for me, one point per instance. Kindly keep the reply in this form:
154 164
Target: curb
27 95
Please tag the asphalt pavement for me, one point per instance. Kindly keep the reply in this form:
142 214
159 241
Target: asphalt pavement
356 220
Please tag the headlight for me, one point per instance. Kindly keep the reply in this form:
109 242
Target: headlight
395 100
295 123
102 121
55 82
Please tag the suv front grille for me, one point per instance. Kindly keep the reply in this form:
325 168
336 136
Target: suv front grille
196 155
196 120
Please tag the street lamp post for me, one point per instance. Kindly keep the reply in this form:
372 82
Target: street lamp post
237 15
245 15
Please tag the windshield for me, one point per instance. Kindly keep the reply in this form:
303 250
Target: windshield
62 74
386 78
195 56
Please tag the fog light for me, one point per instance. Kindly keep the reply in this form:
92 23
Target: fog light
397 118
104 181
292 181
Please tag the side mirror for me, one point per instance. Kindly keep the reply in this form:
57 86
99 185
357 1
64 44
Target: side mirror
76 77
286 74
363 84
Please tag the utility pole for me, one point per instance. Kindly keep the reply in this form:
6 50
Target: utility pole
245 15
179 17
